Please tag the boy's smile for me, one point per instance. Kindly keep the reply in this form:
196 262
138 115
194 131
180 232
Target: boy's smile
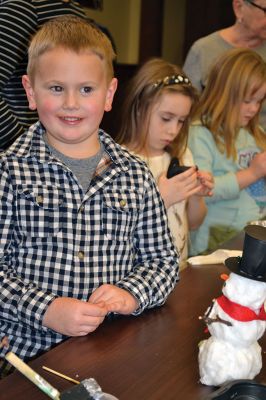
71 92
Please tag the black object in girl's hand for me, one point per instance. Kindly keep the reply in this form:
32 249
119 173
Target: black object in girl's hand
175 169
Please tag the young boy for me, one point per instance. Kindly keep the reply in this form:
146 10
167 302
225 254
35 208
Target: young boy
83 230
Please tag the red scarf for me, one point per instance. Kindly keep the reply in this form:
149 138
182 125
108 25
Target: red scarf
238 312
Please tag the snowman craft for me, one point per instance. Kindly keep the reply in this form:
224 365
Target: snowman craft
237 319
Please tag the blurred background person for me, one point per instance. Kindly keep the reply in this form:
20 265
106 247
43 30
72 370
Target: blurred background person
19 20
226 139
154 126
248 31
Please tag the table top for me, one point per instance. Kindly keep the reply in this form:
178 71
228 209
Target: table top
149 357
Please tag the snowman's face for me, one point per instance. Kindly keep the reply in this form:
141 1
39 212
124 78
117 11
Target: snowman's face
246 292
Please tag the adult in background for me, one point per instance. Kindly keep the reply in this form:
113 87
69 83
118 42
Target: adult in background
19 20
248 31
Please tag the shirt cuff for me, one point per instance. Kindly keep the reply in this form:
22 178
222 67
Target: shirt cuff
32 307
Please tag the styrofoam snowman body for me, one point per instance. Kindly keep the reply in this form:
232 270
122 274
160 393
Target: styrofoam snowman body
232 352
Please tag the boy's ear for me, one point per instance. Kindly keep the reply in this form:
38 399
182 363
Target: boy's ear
29 91
110 94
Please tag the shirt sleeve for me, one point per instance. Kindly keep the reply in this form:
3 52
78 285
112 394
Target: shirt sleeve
156 265
19 301
17 23
206 156
192 66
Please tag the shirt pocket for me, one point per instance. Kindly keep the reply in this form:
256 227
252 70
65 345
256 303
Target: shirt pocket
120 210
39 210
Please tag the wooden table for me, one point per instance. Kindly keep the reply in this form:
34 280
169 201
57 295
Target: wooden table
150 357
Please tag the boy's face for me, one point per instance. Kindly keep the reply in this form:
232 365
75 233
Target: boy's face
71 92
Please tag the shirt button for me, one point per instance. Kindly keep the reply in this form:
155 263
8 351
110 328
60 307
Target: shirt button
123 203
81 209
39 199
81 255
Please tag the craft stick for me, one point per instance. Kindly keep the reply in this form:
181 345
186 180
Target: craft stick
41 383
61 375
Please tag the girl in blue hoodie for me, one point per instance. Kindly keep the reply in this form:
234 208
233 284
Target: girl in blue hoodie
226 139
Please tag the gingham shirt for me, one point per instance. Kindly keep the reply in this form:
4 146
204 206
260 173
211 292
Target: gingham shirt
56 240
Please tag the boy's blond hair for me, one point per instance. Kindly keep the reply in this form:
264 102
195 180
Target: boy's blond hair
235 77
143 92
71 33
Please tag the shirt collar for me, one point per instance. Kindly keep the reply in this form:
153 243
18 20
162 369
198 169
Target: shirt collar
32 144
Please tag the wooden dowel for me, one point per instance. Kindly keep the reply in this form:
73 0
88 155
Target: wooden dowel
61 375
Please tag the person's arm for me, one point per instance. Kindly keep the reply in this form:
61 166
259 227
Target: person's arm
255 171
26 303
206 154
155 266
196 206
17 24
19 301
196 211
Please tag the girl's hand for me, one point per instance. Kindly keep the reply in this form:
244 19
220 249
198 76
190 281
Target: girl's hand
255 171
207 183
180 187
258 165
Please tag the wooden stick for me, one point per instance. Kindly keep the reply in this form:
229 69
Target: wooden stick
61 375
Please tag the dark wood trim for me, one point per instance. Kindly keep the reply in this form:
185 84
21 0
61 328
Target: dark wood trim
204 17
151 29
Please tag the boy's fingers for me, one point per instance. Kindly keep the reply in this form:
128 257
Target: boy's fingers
114 307
96 309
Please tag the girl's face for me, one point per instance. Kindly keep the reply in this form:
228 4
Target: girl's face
167 117
251 105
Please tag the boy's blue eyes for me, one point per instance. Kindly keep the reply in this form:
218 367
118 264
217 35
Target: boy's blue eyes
59 89
86 89
56 88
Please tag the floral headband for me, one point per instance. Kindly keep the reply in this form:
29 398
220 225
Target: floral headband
172 80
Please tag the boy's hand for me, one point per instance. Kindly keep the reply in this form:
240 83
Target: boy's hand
73 317
116 299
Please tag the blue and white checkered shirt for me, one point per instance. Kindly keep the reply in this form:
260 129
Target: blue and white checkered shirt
56 240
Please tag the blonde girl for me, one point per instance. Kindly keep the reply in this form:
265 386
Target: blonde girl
154 126
226 139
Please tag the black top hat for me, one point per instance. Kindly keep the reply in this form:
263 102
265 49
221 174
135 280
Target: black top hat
239 389
252 264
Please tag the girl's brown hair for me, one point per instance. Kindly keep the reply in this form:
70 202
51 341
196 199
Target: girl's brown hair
143 91
236 76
